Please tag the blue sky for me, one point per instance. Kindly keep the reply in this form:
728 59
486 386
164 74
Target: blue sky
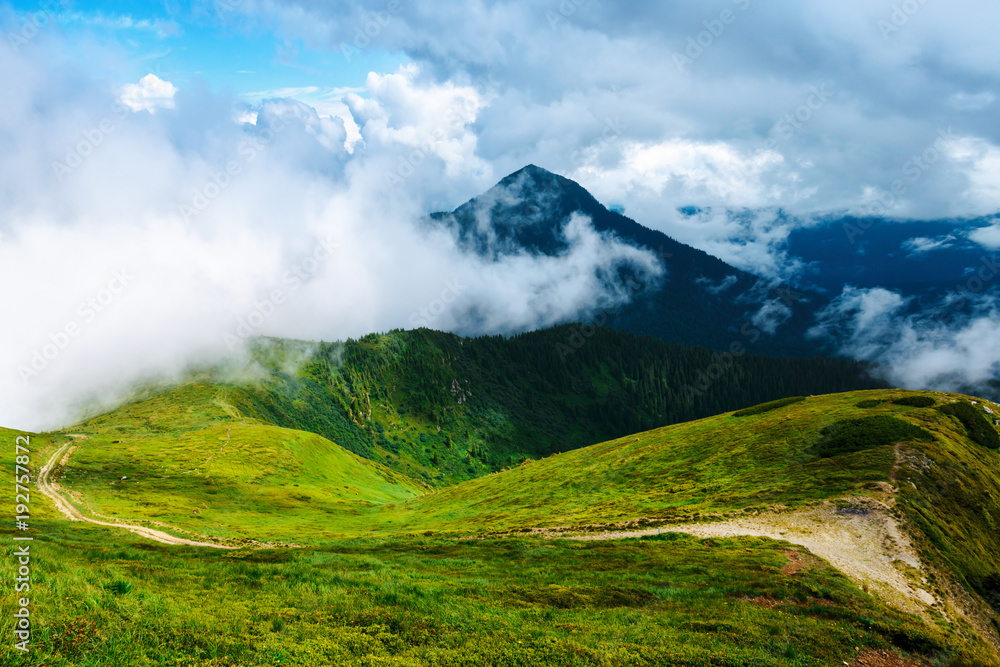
188 43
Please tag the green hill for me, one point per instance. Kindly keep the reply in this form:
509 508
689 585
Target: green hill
187 458
445 409
386 570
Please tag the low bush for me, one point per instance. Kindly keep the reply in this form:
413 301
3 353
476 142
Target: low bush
915 401
981 431
855 435
767 407
909 401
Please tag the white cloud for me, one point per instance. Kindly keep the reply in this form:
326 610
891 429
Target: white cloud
159 27
988 237
714 173
980 161
771 315
491 86
211 223
950 347
150 94
920 245
724 285
742 125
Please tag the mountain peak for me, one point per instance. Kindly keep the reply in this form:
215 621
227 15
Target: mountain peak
532 171
703 300
532 177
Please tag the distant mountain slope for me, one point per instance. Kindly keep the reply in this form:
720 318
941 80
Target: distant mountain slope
444 408
916 258
702 301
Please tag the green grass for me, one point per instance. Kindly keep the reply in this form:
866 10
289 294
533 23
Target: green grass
676 473
393 573
914 401
670 599
446 409
188 459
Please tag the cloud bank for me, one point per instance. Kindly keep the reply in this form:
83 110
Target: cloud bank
951 346
145 225
143 230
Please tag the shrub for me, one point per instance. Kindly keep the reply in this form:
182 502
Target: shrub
855 435
915 401
980 430
909 401
767 407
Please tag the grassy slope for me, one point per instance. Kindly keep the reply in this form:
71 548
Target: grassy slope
178 468
445 409
719 464
949 488
415 600
716 465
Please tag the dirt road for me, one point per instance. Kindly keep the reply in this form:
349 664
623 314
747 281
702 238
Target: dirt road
858 536
52 490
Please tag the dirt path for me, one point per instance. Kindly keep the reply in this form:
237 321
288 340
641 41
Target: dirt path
52 490
858 536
